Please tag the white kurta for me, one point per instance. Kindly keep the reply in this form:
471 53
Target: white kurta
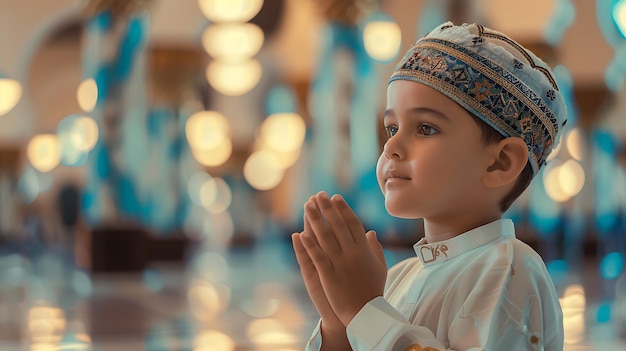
481 290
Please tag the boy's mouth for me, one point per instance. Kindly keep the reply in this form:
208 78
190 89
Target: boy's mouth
393 175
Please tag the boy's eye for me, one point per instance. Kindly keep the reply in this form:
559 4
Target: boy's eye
391 131
426 130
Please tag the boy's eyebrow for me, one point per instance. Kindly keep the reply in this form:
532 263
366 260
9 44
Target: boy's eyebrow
422 110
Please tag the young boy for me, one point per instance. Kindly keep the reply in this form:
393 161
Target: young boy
471 118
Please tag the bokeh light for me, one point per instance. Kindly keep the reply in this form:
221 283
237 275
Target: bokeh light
619 16
573 305
43 152
208 192
204 301
382 38
234 78
572 177
233 41
46 324
194 186
552 182
223 197
574 143
283 131
263 170
213 341
87 94
230 10
612 265
215 156
77 135
270 331
10 94
286 159
206 130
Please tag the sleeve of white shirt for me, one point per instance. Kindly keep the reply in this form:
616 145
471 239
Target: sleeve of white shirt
315 342
496 306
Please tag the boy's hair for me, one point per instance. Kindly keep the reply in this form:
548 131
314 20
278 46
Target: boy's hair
490 136
506 87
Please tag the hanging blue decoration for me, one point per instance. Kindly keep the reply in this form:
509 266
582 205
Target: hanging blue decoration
612 25
432 15
363 105
562 18
607 202
544 213
280 99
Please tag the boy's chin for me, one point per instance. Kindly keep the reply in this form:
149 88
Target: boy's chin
399 212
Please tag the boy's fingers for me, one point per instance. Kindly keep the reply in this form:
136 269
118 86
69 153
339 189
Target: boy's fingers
335 220
307 268
350 218
301 255
314 251
307 223
320 229
376 246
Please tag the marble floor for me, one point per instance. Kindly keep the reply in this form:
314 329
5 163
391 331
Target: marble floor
234 299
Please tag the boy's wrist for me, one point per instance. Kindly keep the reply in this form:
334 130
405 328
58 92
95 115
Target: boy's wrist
332 328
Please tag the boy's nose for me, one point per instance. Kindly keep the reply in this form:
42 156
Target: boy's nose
393 148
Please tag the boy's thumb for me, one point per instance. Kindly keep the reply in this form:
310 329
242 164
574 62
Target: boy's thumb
375 245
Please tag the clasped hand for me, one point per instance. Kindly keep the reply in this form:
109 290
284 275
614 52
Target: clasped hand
342 266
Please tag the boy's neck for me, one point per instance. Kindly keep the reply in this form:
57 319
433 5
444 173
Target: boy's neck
440 229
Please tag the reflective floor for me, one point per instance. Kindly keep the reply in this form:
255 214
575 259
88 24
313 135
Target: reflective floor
236 299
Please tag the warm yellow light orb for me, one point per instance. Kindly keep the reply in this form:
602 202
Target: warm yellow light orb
43 152
233 41
572 177
230 10
287 158
88 130
552 184
213 341
283 131
10 93
87 95
234 78
382 40
263 170
215 156
204 300
574 144
206 130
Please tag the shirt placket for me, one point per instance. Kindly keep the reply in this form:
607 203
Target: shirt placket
414 293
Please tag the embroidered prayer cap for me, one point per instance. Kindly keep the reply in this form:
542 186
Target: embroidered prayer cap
495 79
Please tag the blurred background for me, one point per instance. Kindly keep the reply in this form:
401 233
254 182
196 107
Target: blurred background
155 156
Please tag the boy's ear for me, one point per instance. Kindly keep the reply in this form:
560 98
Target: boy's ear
510 157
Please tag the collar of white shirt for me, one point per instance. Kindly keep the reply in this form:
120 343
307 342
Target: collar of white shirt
444 250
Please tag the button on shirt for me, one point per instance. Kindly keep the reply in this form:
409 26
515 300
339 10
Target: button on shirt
481 290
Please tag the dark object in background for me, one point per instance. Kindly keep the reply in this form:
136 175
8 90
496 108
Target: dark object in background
69 206
119 249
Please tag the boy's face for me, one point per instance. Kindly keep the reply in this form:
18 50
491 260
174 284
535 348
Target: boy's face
433 162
